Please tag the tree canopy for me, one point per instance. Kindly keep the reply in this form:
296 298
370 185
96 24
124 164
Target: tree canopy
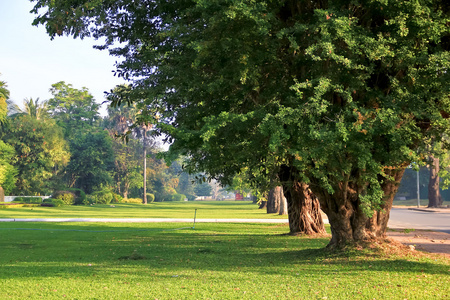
341 95
75 110
7 171
41 152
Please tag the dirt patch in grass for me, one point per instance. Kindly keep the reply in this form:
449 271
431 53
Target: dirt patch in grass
423 240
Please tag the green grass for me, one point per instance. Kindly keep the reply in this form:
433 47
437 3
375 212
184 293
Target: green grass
205 210
212 261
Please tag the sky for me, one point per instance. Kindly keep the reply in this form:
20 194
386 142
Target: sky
30 62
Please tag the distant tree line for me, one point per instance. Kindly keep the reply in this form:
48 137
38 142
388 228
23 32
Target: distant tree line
64 143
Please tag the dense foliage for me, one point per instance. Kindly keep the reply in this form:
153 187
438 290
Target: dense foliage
342 95
41 153
7 171
64 148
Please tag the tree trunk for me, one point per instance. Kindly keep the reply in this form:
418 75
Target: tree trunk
262 205
126 188
348 223
144 200
274 200
377 224
302 205
434 196
283 205
303 210
2 194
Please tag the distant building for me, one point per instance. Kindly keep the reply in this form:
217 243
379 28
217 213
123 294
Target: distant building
238 196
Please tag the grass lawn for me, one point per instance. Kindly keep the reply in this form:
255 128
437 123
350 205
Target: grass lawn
205 210
212 261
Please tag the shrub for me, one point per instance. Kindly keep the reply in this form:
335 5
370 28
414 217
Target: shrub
5 206
31 204
179 197
190 197
66 197
103 196
89 200
150 198
58 202
175 197
80 195
116 198
132 200
28 200
52 202
159 197
18 200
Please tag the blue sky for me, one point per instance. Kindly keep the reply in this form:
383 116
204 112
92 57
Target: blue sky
30 62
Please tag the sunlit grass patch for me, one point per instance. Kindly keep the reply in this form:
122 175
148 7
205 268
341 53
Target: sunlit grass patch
214 260
205 210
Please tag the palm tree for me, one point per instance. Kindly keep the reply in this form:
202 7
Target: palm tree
4 92
31 108
4 96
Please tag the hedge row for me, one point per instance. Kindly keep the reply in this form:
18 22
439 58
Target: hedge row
132 200
28 200
11 205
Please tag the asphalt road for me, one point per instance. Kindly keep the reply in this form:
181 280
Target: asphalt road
405 218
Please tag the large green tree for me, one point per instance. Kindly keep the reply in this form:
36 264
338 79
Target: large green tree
336 97
92 161
4 96
75 110
7 171
41 153
30 107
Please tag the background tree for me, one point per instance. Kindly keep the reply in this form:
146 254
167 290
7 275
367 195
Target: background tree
274 199
128 167
203 189
127 148
41 153
438 165
73 109
7 171
344 94
434 195
92 161
4 96
31 108
185 186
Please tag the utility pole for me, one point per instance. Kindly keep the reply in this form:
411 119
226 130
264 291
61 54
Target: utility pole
418 190
144 200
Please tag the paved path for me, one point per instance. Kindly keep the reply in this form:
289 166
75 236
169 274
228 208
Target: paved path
426 219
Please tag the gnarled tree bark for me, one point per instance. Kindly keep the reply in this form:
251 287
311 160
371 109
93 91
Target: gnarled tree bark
302 205
348 223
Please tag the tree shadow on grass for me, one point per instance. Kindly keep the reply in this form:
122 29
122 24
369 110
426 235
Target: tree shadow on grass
47 253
